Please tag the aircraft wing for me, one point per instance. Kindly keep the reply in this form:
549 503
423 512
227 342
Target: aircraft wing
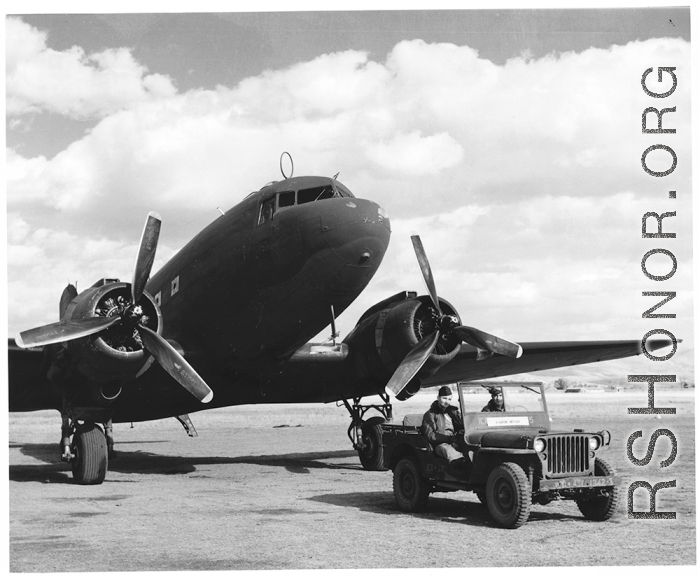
29 388
536 356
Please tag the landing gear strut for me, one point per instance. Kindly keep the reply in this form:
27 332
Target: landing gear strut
109 437
366 436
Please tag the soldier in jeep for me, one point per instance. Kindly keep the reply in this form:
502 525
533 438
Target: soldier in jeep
444 428
496 403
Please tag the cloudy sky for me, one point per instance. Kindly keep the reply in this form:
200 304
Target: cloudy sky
509 140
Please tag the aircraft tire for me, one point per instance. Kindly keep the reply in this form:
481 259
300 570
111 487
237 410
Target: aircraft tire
601 508
372 455
508 495
90 454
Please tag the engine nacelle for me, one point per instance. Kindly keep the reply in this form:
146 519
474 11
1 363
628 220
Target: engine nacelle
116 354
386 333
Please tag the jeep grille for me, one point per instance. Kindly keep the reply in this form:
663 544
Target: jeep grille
567 454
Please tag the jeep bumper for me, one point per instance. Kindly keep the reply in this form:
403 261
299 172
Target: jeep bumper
579 482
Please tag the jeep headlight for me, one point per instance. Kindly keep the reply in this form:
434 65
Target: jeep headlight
539 445
593 443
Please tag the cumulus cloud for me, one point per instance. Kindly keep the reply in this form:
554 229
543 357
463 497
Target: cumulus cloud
432 118
328 84
412 154
27 178
71 82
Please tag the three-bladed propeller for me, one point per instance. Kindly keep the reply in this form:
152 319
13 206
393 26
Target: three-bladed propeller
131 314
446 324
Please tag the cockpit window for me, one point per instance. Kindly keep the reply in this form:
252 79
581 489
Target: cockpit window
286 199
313 194
290 198
267 210
343 191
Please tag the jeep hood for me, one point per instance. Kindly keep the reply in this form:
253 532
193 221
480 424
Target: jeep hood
511 438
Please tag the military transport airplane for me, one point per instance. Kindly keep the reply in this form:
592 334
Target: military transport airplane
227 321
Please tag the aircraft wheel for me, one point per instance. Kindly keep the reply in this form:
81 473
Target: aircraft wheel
90 454
372 455
508 495
411 491
601 508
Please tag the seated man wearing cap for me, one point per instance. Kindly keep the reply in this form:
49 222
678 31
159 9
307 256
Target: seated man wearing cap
496 403
444 429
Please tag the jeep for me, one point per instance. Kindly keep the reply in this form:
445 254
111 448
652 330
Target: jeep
513 458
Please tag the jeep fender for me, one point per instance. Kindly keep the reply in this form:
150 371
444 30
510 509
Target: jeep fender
401 451
485 461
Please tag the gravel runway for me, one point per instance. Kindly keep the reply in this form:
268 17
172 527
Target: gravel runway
279 487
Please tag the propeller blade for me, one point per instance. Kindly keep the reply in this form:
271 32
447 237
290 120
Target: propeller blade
425 270
488 341
146 255
69 293
175 365
64 330
412 363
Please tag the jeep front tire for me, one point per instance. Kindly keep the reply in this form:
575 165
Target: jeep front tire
601 508
508 495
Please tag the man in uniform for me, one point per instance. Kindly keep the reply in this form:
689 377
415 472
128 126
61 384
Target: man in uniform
496 403
444 429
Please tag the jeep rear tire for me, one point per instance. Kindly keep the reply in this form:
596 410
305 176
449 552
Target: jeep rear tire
508 495
411 491
601 508
372 455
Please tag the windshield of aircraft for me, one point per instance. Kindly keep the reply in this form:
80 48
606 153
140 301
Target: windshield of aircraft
303 196
502 398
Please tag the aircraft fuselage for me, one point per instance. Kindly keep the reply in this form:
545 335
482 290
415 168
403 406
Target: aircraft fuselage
257 284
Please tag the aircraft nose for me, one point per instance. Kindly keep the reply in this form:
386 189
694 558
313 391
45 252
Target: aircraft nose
358 233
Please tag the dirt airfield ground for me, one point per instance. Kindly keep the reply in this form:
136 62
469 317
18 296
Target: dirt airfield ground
279 487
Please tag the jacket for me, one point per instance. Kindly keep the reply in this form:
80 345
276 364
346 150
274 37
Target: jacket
433 427
493 407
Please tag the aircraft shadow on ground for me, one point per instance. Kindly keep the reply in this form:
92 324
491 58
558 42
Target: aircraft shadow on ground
439 509
140 462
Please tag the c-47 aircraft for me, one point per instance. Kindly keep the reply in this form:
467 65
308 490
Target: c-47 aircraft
228 319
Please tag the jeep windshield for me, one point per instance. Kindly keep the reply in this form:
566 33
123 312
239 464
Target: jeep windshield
503 404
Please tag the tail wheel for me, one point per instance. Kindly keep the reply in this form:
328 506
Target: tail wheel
372 455
508 495
90 454
601 508
411 491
